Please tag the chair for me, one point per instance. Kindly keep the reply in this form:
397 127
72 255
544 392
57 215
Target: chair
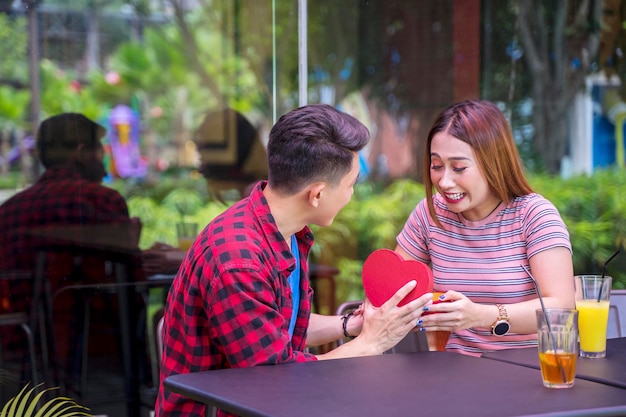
159 332
617 315
412 342
23 319
210 410
119 268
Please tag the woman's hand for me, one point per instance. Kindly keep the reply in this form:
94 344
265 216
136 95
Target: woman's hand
457 313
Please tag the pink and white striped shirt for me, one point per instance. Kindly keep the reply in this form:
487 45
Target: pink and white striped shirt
483 259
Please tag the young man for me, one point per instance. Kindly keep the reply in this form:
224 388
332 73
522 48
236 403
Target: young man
242 296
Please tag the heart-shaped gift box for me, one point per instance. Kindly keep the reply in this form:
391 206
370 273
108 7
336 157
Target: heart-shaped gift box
385 271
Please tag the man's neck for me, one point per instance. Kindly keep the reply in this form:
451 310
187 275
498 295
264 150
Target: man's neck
289 211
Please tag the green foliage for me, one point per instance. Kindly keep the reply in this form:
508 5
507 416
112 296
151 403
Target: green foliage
25 404
61 95
13 107
184 202
159 218
13 47
160 186
594 210
10 181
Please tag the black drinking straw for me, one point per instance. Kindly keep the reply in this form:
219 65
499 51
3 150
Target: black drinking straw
604 273
545 313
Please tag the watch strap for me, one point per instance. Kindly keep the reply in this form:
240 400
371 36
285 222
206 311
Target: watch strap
502 313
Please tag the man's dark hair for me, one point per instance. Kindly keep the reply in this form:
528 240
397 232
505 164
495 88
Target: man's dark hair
59 135
313 143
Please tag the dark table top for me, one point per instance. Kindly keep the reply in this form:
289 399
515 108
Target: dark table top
610 370
403 384
112 238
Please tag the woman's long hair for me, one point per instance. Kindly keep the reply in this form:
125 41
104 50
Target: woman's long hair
481 125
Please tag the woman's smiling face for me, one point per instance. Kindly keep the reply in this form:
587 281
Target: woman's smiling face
456 175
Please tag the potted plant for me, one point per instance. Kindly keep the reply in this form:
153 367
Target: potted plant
27 404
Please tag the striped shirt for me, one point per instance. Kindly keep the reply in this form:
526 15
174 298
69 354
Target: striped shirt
483 259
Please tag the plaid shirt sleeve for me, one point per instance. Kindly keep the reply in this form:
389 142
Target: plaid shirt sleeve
246 321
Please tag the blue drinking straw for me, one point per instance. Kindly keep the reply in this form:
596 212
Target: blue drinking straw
543 308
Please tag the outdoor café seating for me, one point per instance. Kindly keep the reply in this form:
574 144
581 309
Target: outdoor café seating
22 318
617 314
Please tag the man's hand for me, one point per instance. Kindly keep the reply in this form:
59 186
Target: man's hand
385 326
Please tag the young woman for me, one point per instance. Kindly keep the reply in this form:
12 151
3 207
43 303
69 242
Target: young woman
479 231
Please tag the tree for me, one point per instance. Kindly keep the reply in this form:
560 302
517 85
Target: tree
13 44
560 40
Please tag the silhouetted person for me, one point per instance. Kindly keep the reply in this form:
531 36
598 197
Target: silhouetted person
67 195
232 155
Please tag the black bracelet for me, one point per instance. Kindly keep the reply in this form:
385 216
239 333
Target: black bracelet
344 319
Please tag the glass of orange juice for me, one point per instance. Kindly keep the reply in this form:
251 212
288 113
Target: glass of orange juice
557 337
437 339
186 233
593 294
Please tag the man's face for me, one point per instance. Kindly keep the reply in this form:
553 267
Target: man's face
91 164
334 198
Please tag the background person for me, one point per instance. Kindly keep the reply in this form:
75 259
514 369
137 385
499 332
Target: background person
68 194
242 296
483 223
232 155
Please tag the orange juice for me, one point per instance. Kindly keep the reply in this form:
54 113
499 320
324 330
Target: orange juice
593 318
551 366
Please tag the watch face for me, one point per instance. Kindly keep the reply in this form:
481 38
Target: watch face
501 328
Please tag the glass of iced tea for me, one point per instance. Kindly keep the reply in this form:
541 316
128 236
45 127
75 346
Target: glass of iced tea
437 339
186 233
557 337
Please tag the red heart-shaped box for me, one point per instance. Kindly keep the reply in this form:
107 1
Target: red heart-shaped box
385 271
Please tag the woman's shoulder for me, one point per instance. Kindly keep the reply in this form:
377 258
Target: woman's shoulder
533 206
532 200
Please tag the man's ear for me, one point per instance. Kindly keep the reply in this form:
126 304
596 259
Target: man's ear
315 193
78 153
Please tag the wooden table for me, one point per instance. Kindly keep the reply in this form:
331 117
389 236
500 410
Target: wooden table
396 385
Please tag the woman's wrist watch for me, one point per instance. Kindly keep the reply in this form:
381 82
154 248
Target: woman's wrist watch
501 326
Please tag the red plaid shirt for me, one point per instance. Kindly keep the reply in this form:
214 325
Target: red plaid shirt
60 197
230 304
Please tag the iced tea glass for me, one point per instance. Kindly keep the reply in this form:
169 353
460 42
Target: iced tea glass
186 233
557 337
437 339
